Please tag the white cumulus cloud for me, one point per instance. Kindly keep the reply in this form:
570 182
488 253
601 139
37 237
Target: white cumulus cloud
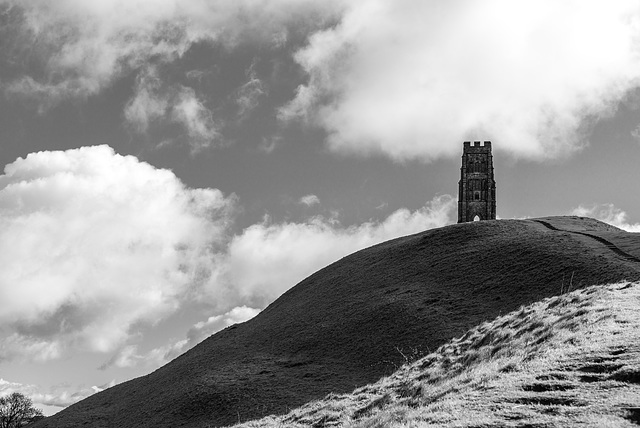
267 259
413 78
92 242
95 245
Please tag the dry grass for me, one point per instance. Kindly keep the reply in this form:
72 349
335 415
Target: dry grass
570 360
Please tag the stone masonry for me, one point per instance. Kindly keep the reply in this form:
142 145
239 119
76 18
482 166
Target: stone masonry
477 187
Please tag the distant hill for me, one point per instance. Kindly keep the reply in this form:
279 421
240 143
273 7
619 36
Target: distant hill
358 319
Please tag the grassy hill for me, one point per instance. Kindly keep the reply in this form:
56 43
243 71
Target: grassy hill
358 319
570 360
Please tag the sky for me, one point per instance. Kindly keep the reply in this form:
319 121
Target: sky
169 168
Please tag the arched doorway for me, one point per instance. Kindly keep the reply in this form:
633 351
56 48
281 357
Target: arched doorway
476 218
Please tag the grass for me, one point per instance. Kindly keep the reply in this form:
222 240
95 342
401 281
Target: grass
570 360
363 317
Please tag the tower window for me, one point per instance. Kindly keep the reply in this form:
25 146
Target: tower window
476 196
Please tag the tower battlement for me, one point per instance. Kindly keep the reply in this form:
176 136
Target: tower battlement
477 144
477 186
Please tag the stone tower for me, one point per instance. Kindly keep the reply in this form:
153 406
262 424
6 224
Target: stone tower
477 188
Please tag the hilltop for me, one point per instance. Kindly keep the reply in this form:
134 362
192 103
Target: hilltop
358 319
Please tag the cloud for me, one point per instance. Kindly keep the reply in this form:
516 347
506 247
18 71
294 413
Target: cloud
129 356
62 397
411 79
408 78
309 200
95 245
607 213
58 396
270 144
92 243
267 259
154 101
203 330
7 387
196 119
249 94
77 48
53 52
150 102
636 134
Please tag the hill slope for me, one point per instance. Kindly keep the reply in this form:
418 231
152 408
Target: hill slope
570 360
351 322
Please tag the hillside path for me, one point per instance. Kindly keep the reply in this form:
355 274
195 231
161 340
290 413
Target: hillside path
606 243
